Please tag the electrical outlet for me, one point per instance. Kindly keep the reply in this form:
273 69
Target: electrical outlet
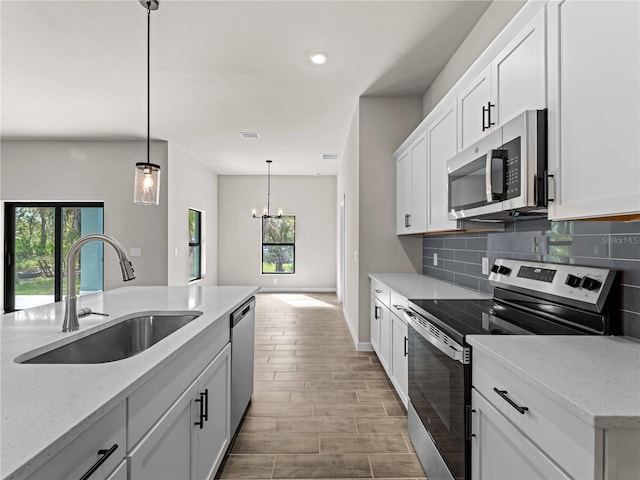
485 265
435 259
275 280
135 252
355 256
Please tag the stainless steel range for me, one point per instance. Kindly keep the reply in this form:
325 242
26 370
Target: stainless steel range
530 298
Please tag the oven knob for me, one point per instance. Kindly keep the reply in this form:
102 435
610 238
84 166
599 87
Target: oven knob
573 281
502 270
494 268
590 283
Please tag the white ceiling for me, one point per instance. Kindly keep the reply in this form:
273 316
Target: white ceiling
77 69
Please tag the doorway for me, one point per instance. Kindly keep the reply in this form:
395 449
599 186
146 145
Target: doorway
37 238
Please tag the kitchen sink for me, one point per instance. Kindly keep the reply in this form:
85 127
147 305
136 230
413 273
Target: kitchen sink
122 340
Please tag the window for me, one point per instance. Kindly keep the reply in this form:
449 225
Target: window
37 238
278 244
195 245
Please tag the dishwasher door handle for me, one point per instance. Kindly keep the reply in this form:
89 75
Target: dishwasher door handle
243 311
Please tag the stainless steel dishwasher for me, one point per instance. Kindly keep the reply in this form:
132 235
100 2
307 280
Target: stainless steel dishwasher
242 344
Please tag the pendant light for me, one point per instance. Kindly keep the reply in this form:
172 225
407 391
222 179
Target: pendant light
147 180
267 211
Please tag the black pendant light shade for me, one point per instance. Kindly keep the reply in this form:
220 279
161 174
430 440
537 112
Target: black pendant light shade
147 177
267 211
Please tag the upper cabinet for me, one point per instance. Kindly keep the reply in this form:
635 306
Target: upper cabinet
411 188
441 143
594 109
513 82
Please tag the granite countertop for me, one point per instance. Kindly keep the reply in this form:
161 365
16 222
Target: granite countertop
423 287
595 378
44 407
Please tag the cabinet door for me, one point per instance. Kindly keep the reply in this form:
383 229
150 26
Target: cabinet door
403 192
470 109
519 73
214 390
442 144
385 338
500 452
399 362
594 108
418 218
375 324
166 452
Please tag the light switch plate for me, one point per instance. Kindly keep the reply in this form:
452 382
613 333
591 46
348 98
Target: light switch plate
135 252
435 259
485 265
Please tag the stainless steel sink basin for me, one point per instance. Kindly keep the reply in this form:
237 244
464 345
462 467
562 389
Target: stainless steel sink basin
122 340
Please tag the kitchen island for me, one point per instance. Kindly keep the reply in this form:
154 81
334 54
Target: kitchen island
46 407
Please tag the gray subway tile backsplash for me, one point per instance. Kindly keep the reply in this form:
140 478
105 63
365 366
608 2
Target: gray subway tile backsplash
600 244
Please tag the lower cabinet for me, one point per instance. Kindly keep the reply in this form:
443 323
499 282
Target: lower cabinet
190 439
501 451
399 360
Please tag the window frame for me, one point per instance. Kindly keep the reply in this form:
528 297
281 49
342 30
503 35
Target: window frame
196 244
283 244
10 246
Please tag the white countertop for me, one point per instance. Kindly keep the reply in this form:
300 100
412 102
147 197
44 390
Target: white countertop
423 287
44 407
595 378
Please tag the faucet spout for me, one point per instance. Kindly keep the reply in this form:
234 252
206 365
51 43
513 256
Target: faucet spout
71 302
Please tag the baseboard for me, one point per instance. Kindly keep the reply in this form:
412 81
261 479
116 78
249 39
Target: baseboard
296 290
364 347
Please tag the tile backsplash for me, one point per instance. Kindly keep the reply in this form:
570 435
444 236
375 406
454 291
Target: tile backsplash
600 244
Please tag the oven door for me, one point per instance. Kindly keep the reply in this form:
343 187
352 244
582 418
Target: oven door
439 392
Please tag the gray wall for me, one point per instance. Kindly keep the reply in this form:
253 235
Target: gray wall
311 199
600 244
96 171
488 27
368 181
191 185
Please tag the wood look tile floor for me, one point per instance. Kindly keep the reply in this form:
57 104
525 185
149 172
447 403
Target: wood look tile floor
320 409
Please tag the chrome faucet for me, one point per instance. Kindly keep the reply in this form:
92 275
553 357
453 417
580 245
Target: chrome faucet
71 306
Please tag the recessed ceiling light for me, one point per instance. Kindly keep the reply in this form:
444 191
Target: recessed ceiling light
318 58
249 134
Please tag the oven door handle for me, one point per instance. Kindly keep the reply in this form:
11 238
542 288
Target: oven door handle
452 350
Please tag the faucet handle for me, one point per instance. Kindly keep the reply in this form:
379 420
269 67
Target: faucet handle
83 312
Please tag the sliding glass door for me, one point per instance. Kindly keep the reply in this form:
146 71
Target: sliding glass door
37 239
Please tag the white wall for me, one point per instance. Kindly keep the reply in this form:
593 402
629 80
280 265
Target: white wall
367 178
2 239
311 199
191 185
491 23
96 171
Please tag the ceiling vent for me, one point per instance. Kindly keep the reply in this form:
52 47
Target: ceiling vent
331 156
250 135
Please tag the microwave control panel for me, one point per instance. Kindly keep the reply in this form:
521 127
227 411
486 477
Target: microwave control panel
512 169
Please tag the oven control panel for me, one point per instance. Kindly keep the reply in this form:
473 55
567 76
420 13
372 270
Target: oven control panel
581 285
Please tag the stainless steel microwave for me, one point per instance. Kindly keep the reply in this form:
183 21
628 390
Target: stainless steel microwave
504 174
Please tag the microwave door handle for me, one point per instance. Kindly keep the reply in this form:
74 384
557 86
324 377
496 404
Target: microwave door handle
488 179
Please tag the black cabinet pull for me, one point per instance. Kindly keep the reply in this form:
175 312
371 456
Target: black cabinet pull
200 421
105 454
547 176
206 404
406 346
503 394
375 312
486 113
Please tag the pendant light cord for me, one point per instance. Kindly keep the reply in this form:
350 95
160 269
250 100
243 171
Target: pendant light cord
269 189
148 82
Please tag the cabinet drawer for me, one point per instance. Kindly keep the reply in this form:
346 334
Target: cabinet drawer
564 437
82 453
398 302
381 291
151 400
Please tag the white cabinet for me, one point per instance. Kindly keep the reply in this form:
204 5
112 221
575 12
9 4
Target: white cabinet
399 360
594 109
520 432
104 442
411 188
389 335
167 450
499 451
442 145
513 82
190 439
213 437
